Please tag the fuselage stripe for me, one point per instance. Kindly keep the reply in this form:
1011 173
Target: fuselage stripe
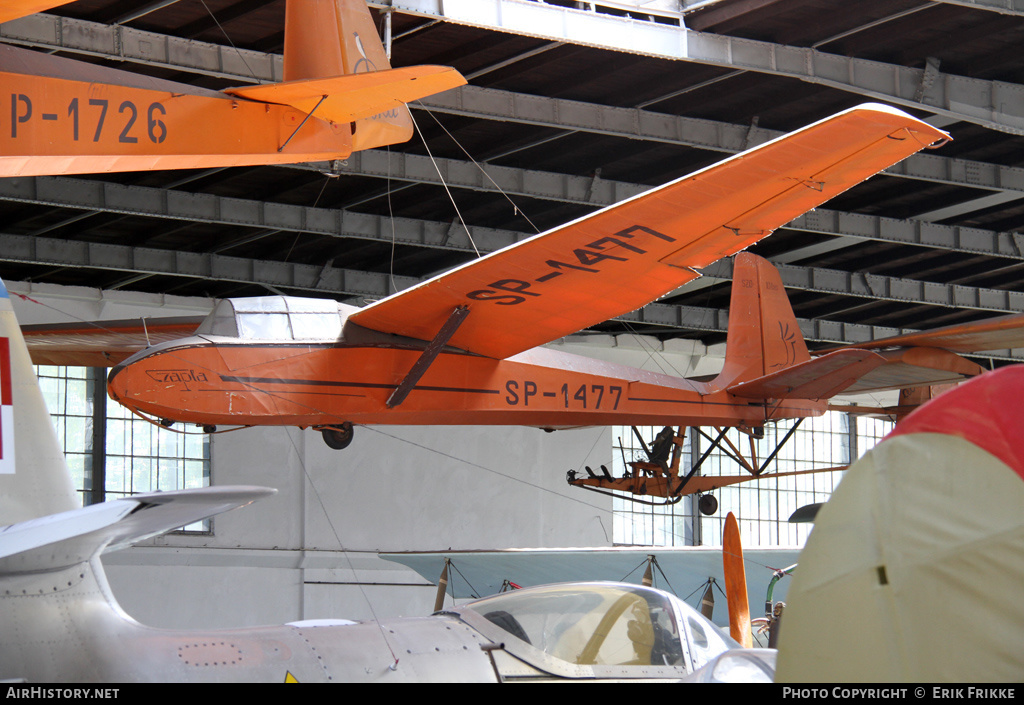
363 385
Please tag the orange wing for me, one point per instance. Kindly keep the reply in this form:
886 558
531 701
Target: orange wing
999 333
101 344
625 256
13 9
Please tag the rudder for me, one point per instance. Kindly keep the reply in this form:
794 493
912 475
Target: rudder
763 335
327 38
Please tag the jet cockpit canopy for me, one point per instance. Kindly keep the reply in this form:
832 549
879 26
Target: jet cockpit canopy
599 630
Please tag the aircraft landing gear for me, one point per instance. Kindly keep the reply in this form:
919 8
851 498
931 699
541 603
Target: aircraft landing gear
337 437
707 504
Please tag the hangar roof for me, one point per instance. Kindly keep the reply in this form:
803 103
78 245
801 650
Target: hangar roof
553 125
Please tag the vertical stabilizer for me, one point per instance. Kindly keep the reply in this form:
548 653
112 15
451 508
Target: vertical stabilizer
763 333
33 479
327 38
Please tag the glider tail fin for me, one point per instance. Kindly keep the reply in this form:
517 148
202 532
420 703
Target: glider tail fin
763 335
34 480
330 38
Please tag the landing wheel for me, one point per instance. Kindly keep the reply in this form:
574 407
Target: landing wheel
708 504
337 437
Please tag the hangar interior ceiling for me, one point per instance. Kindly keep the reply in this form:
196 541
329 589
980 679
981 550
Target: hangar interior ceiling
550 129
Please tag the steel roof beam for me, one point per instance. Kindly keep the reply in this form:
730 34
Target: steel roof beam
341 282
471 101
959 97
151 202
149 260
971 99
1005 7
580 189
630 123
139 46
25 249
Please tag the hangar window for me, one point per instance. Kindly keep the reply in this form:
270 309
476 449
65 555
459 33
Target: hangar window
762 507
112 454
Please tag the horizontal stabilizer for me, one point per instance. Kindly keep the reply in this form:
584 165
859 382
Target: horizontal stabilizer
999 333
356 96
69 538
820 378
914 367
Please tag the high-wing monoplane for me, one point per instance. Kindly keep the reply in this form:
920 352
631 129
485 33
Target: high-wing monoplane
61 623
339 95
461 348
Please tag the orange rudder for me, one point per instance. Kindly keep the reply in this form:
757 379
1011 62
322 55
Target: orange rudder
327 38
763 334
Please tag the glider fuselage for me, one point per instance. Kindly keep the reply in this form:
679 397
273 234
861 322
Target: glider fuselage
210 381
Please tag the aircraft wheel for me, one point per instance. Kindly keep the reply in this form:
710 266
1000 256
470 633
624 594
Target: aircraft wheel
338 437
708 504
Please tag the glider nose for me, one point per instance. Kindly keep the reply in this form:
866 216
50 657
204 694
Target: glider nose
117 388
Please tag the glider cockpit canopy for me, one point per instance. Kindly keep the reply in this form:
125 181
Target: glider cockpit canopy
278 318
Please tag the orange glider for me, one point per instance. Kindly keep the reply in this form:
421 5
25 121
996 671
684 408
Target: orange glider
461 348
339 95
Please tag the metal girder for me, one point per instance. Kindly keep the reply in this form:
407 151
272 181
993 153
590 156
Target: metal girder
489 177
372 285
1006 7
694 132
600 192
816 330
137 46
151 202
148 260
471 101
196 207
910 232
995 104
26 249
885 288
340 282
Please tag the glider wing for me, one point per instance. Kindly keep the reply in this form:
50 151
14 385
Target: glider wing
628 254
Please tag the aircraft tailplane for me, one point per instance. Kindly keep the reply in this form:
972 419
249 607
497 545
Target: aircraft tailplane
33 479
763 335
67 539
329 38
51 580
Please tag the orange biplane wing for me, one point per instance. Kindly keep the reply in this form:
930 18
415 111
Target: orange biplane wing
628 254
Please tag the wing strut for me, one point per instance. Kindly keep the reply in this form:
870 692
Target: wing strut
431 352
